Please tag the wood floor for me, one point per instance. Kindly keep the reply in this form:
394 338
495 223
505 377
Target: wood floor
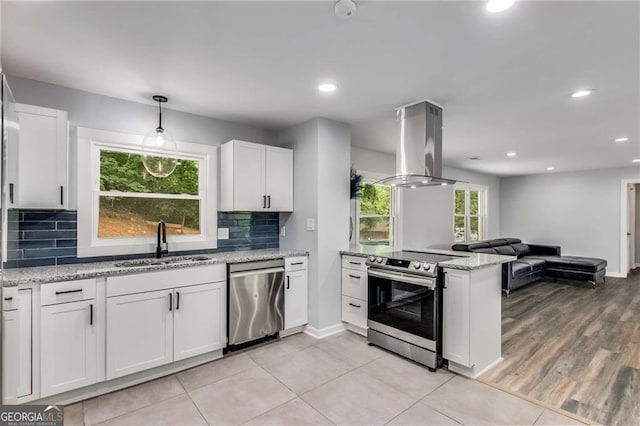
575 348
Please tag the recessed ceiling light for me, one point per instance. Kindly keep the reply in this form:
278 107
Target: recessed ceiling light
444 184
637 160
393 184
511 154
495 6
327 87
413 187
581 93
622 139
551 168
425 182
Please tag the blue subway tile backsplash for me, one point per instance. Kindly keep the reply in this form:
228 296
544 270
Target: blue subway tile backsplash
46 238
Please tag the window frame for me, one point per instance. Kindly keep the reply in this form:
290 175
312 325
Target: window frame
483 194
90 143
370 177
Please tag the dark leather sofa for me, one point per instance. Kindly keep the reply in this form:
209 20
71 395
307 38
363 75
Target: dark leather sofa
536 261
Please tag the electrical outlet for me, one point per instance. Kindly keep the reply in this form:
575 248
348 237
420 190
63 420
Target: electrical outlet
311 224
223 233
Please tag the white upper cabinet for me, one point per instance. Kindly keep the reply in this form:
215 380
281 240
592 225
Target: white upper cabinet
255 177
43 158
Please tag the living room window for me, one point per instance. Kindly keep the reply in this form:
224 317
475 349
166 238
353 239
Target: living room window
375 213
469 212
120 203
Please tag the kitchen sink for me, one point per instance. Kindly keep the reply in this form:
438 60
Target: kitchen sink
161 261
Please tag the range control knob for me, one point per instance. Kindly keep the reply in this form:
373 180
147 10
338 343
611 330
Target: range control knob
372 258
426 266
379 260
416 265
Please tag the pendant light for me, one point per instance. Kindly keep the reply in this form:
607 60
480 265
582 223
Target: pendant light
159 148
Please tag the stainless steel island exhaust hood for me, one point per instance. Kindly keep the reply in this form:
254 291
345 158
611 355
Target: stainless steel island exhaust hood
419 151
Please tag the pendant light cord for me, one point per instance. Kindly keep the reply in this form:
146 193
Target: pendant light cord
160 116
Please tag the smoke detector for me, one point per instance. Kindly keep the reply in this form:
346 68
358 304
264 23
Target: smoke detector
345 9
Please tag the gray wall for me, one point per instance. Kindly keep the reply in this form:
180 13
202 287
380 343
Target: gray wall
426 214
579 211
637 249
105 113
321 192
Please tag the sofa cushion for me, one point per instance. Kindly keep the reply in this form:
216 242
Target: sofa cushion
535 264
505 250
521 249
520 268
576 263
487 250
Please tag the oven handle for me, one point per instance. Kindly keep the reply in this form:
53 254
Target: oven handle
424 282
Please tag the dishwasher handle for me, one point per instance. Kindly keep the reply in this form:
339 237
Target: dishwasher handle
255 272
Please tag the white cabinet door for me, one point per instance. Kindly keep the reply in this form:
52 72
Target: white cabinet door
455 321
248 177
68 349
17 368
139 332
279 179
295 299
43 157
199 319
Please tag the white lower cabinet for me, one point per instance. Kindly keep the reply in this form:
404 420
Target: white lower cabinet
295 299
198 327
355 292
139 332
153 328
17 367
472 319
354 311
68 346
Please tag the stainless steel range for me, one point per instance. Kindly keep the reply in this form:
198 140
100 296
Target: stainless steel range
405 304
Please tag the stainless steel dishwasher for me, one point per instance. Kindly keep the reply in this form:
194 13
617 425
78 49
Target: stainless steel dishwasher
256 300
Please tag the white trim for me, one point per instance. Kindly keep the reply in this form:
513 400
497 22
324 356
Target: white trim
89 141
615 275
471 371
624 255
483 208
373 177
355 329
321 333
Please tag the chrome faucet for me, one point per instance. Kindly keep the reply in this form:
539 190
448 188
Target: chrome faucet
162 232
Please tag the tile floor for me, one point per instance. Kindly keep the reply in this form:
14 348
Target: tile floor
300 380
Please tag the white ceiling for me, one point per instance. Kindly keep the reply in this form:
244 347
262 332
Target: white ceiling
504 80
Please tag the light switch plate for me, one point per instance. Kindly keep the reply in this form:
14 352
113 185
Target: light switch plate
283 231
223 233
311 224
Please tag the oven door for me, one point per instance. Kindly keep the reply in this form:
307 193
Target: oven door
404 302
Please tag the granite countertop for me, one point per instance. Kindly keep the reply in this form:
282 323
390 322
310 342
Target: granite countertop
47 274
466 261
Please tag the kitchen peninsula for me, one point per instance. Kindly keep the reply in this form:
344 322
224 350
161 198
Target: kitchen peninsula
471 301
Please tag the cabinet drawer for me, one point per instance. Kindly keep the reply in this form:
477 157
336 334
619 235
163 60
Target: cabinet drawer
354 311
10 298
295 263
67 291
354 283
354 262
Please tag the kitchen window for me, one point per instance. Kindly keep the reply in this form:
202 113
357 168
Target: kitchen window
120 203
375 214
469 212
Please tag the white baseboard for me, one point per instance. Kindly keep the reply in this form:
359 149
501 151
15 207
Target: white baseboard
321 333
615 275
355 329
472 372
637 265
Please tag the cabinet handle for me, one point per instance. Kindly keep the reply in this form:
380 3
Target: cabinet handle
8 299
62 195
355 276
91 314
288 282
11 193
68 291
264 201
444 281
297 263
354 305
170 302
268 201
177 300
356 263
